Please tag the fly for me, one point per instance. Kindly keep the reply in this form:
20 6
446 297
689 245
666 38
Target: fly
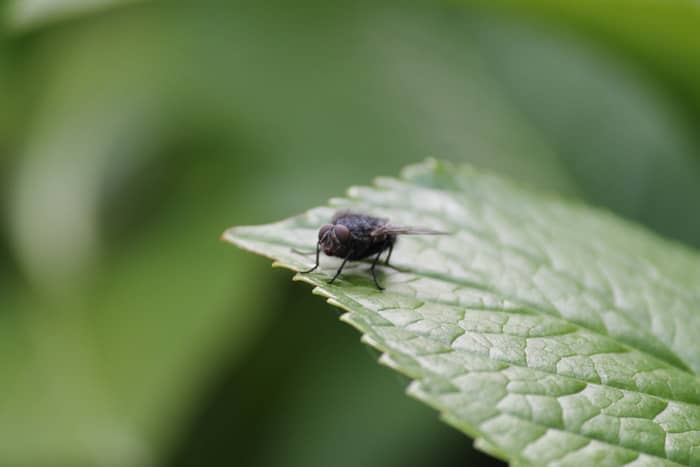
354 237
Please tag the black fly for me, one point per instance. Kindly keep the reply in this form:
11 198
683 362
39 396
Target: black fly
356 236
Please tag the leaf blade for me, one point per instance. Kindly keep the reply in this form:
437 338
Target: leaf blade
523 329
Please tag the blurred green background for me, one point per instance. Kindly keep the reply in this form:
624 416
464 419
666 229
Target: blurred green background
133 133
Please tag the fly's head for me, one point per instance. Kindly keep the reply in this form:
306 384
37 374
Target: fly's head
334 239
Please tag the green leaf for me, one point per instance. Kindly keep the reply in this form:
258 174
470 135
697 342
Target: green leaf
551 332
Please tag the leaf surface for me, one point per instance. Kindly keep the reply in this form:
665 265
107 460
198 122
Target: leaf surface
553 333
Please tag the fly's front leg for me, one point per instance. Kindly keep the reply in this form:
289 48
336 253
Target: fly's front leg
342 265
318 251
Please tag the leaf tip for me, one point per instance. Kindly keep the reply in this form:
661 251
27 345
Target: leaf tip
227 235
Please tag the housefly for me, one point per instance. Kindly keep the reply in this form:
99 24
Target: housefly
354 237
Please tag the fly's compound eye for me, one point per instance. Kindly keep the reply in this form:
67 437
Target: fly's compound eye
324 230
342 233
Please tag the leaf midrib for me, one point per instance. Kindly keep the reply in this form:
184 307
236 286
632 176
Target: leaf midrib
551 313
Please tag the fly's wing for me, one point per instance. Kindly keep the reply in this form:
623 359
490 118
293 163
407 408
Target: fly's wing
404 230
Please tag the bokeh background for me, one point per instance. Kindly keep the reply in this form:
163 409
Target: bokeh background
132 133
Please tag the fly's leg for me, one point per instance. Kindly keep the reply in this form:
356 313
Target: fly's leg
374 273
318 251
391 248
342 265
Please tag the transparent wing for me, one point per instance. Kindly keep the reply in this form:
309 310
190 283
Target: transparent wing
405 230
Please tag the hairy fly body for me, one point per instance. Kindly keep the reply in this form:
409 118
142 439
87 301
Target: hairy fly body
356 236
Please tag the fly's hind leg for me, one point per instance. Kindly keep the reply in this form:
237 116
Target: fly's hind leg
374 272
391 248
